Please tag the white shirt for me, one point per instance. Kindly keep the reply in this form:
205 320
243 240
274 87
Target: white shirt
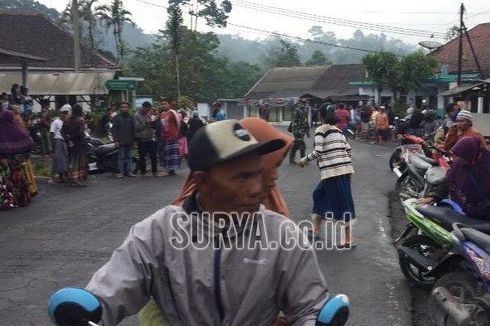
55 128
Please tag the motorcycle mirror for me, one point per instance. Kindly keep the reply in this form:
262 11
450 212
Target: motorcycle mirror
74 307
334 312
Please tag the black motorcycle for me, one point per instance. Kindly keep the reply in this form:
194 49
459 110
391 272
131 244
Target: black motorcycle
102 157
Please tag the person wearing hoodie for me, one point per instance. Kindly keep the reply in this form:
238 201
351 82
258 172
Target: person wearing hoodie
212 283
123 133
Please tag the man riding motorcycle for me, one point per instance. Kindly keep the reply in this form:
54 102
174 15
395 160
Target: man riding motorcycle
163 256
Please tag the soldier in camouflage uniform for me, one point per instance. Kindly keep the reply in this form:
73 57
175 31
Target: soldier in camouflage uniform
299 128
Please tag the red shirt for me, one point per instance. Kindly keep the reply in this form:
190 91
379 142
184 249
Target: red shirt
170 125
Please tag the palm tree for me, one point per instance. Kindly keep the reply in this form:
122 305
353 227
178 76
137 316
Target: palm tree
90 17
115 17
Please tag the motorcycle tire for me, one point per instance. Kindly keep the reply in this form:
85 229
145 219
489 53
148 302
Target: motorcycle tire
135 165
395 158
424 244
465 288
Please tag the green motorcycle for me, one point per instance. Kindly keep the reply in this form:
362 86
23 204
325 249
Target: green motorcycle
428 239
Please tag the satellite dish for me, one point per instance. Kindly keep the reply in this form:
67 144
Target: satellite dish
431 45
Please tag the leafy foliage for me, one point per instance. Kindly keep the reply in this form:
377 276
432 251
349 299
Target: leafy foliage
115 16
284 55
204 76
400 75
215 14
318 59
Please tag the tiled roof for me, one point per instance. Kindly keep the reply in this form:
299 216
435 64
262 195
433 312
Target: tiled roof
321 81
37 36
448 53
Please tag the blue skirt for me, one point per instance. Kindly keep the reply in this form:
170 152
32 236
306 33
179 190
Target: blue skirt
332 198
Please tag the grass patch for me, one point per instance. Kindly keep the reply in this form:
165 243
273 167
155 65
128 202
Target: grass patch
42 168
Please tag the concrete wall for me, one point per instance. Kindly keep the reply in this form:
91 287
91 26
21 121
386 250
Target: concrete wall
481 121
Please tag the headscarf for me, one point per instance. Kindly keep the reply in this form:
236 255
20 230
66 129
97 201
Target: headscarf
262 131
462 188
13 139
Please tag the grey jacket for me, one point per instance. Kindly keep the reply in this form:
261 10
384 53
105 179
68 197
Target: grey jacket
210 286
141 129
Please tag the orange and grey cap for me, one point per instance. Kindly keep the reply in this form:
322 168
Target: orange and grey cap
225 140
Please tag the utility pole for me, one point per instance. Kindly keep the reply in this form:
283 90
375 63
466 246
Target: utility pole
75 21
460 52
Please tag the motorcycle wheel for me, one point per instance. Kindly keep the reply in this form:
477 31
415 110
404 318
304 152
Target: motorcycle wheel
425 246
395 158
465 288
135 165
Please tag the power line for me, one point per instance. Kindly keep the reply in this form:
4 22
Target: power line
333 20
262 31
302 39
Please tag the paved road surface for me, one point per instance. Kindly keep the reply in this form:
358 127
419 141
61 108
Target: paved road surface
67 233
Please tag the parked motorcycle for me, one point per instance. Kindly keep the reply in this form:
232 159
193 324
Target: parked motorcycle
103 157
419 174
79 307
462 296
427 239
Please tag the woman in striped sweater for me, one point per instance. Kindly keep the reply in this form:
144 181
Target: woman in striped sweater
332 198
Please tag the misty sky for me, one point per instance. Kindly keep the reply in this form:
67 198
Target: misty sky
428 15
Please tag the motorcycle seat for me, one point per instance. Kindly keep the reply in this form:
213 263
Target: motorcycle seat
446 217
435 175
426 159
418 163
480 239
102 149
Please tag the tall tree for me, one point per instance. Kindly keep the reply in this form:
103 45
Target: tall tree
90 17
174 34
114 16
285 55
414 69
382 69
215 14
318 58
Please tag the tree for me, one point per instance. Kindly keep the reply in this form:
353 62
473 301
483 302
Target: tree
382 69
174 34
318 59
400 75
214 14
452 32
414 69
214 77
114 17
90 17
285 55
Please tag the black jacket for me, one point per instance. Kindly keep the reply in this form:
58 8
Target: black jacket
123 129
194 124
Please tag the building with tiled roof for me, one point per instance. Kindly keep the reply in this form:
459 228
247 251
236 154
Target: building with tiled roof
448 53
40 53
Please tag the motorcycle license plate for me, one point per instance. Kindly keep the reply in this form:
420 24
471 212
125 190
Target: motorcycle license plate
92 166
397 171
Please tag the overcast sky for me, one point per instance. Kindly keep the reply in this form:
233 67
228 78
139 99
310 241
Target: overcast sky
427 15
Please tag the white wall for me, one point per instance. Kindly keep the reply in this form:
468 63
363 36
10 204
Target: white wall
481 121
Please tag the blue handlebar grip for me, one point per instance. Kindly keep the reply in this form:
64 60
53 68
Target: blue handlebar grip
335 311
73 306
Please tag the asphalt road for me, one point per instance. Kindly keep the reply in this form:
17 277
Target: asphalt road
67 233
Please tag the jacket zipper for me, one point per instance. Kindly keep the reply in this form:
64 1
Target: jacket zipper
217 283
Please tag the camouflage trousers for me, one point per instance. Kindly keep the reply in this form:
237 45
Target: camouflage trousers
299 144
